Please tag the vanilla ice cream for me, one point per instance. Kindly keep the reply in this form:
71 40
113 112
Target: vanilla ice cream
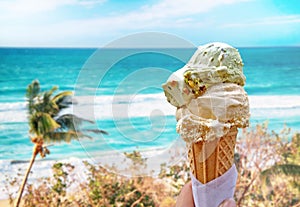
208 93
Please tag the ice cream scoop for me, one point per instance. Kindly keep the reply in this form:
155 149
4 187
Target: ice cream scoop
217 54
211 64
210 116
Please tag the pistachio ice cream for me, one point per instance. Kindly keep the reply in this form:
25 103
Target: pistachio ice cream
208 93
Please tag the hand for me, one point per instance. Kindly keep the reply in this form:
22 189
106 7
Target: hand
185 198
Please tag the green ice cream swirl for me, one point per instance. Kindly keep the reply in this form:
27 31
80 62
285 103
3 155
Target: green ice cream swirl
212 64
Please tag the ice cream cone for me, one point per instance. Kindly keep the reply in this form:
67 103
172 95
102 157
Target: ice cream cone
211 159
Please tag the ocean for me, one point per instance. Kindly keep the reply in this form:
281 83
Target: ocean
125 97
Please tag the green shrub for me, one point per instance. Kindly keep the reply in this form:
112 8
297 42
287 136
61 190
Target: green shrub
267 163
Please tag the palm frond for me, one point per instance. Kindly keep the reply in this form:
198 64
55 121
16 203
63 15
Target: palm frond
32 92
51 91
97 131
63 99
33 89
41 123
71 121
47 105
68 136
43 103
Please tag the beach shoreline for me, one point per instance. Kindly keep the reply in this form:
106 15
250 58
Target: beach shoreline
113 162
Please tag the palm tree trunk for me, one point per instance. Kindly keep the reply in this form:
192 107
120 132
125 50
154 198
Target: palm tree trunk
36 150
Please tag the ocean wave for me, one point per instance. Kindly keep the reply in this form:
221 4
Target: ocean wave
12 106
148 105
274 102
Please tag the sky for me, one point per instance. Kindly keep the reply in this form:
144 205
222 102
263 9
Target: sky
95 23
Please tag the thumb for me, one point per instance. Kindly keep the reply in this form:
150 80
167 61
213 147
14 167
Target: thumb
228 203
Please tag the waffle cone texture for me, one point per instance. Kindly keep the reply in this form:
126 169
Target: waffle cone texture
211 159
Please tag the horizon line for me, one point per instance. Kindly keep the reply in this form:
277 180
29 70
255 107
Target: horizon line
90 47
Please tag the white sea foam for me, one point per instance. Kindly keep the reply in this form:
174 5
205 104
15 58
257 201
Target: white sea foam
275 102
145 105
274 106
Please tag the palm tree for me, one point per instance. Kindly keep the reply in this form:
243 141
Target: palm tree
47 124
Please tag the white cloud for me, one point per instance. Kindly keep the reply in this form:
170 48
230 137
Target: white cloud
21 8
171 8
31 6
90 3
274 20
164 15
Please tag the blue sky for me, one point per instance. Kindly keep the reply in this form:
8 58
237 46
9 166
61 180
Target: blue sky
94 23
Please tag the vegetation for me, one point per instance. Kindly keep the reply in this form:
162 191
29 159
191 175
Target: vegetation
268 166
47 124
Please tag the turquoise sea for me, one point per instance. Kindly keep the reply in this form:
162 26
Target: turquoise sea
124 97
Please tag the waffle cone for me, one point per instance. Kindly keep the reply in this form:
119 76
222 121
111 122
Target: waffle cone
211 159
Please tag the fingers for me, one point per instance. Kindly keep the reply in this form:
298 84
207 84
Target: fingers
185 198
228 203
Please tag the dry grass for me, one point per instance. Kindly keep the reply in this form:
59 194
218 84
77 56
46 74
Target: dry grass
257 152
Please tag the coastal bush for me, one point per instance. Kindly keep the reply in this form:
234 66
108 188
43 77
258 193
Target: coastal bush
102 188
269 168
267 163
